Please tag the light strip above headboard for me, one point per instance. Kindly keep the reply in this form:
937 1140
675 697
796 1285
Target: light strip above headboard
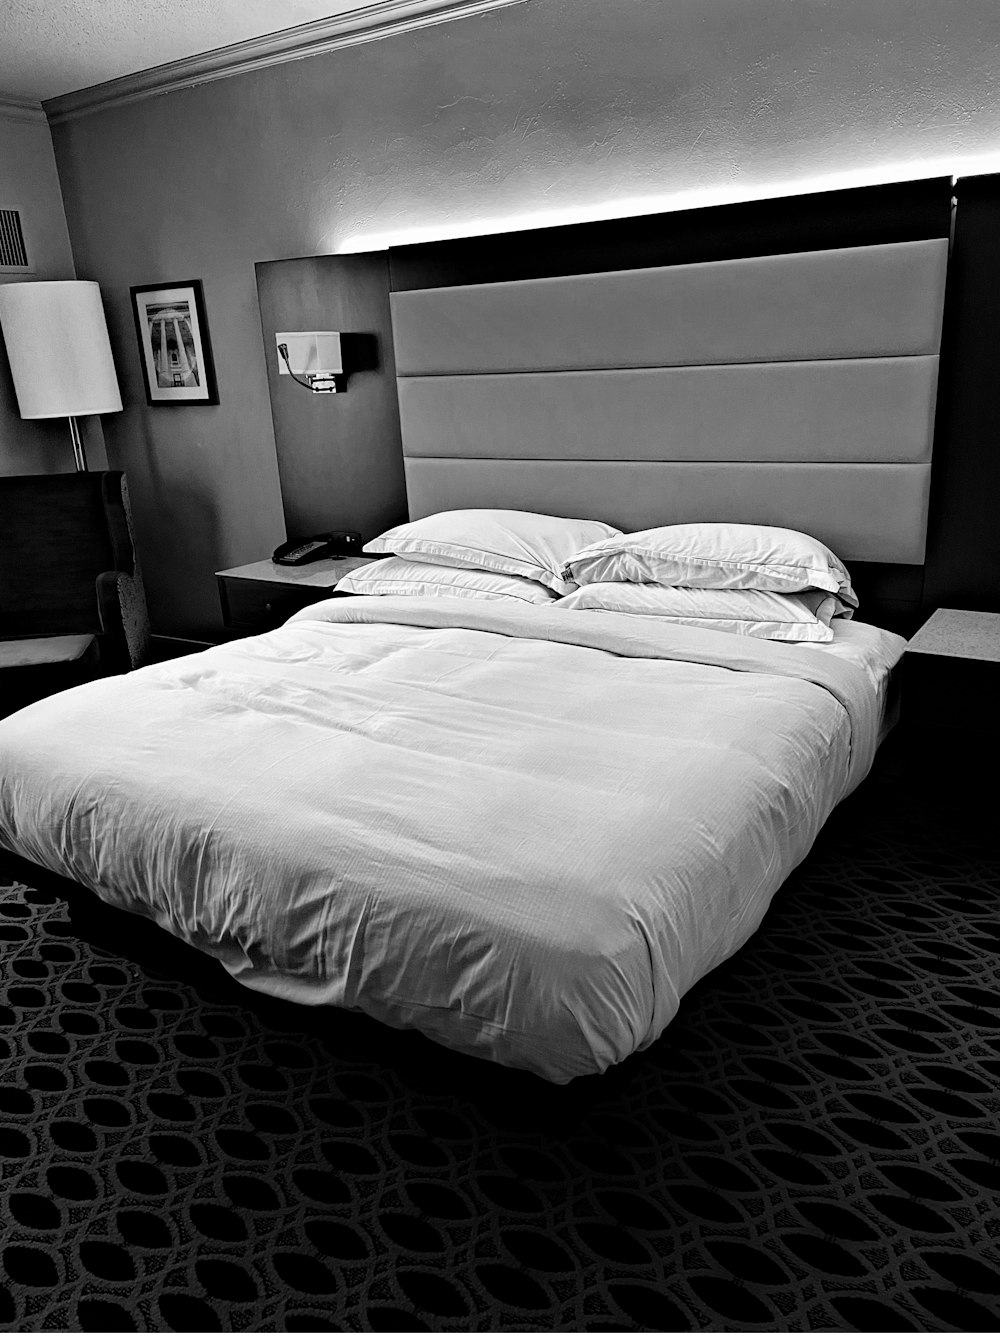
790 389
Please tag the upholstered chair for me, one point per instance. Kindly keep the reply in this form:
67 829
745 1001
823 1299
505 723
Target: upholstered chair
72 605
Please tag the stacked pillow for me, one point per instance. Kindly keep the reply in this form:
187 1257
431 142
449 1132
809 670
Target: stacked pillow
497 554
767 582
417 578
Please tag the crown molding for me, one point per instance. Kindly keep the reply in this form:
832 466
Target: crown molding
385 18
20 108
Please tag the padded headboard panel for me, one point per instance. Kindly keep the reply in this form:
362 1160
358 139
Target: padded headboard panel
795 390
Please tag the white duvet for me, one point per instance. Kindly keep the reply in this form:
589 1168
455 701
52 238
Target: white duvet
523 831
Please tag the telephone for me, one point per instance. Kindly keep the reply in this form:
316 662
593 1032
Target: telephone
324 546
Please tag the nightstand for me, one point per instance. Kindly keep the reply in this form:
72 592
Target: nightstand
263 595
949 719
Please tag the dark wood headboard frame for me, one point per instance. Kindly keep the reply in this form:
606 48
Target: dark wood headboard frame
957 570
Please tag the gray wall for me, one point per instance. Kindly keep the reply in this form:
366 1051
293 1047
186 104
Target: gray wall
29 183
532 111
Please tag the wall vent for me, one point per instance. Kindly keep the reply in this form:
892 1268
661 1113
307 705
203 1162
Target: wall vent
13 251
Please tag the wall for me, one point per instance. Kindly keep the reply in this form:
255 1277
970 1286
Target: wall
29 183
963 555
340 456
546 106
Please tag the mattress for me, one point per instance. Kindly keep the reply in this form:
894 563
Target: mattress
874 651
525 833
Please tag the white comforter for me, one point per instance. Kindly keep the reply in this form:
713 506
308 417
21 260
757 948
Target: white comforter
525 832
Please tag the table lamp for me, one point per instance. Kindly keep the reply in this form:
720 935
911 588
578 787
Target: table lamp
60 356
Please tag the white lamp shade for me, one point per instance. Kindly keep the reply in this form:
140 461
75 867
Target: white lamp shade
310 354
57 344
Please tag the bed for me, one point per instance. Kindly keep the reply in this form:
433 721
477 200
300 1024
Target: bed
523 830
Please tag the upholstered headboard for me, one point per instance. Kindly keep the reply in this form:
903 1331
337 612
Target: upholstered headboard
795 390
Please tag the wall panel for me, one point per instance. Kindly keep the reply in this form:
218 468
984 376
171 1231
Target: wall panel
339 457
963 560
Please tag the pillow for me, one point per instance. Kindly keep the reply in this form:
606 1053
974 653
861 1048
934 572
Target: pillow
418 578
715 555
507 541
797 617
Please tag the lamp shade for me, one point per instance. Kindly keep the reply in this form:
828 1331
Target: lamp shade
57 344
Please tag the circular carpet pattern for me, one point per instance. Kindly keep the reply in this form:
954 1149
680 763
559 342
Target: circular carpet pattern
812 1144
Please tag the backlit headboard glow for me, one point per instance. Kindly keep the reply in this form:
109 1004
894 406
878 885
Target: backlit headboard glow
437 229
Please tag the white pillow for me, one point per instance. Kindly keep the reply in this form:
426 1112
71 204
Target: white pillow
715 555
417 578
507 541
798 617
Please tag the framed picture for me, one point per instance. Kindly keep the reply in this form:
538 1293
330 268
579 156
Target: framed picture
176 355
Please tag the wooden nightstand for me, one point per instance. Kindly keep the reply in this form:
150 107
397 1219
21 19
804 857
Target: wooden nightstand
949 721
263 595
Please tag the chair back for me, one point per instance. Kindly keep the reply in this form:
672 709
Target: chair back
58 535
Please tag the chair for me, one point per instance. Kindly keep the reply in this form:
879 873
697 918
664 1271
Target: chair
72 605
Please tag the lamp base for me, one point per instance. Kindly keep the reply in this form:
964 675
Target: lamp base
78 453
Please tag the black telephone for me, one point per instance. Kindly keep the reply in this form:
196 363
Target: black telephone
324 546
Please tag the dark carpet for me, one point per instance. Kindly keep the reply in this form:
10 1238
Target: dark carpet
812 1144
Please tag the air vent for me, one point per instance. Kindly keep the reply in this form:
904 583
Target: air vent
13 252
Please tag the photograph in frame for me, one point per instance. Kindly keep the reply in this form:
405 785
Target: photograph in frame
174 347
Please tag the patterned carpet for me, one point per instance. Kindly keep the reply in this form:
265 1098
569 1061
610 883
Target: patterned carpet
813 1143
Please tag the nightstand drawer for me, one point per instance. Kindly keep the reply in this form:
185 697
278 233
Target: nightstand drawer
261 606
953 693
263 595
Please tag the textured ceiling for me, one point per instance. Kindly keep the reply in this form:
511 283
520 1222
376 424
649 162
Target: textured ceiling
48 48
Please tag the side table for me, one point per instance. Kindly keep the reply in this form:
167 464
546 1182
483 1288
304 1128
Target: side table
262 595
949 721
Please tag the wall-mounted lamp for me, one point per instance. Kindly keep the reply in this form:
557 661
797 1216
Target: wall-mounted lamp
60 356
314 360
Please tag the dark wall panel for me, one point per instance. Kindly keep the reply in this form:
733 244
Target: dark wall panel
874 215
963 557
340 460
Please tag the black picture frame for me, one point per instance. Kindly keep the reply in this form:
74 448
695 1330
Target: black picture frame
175 351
